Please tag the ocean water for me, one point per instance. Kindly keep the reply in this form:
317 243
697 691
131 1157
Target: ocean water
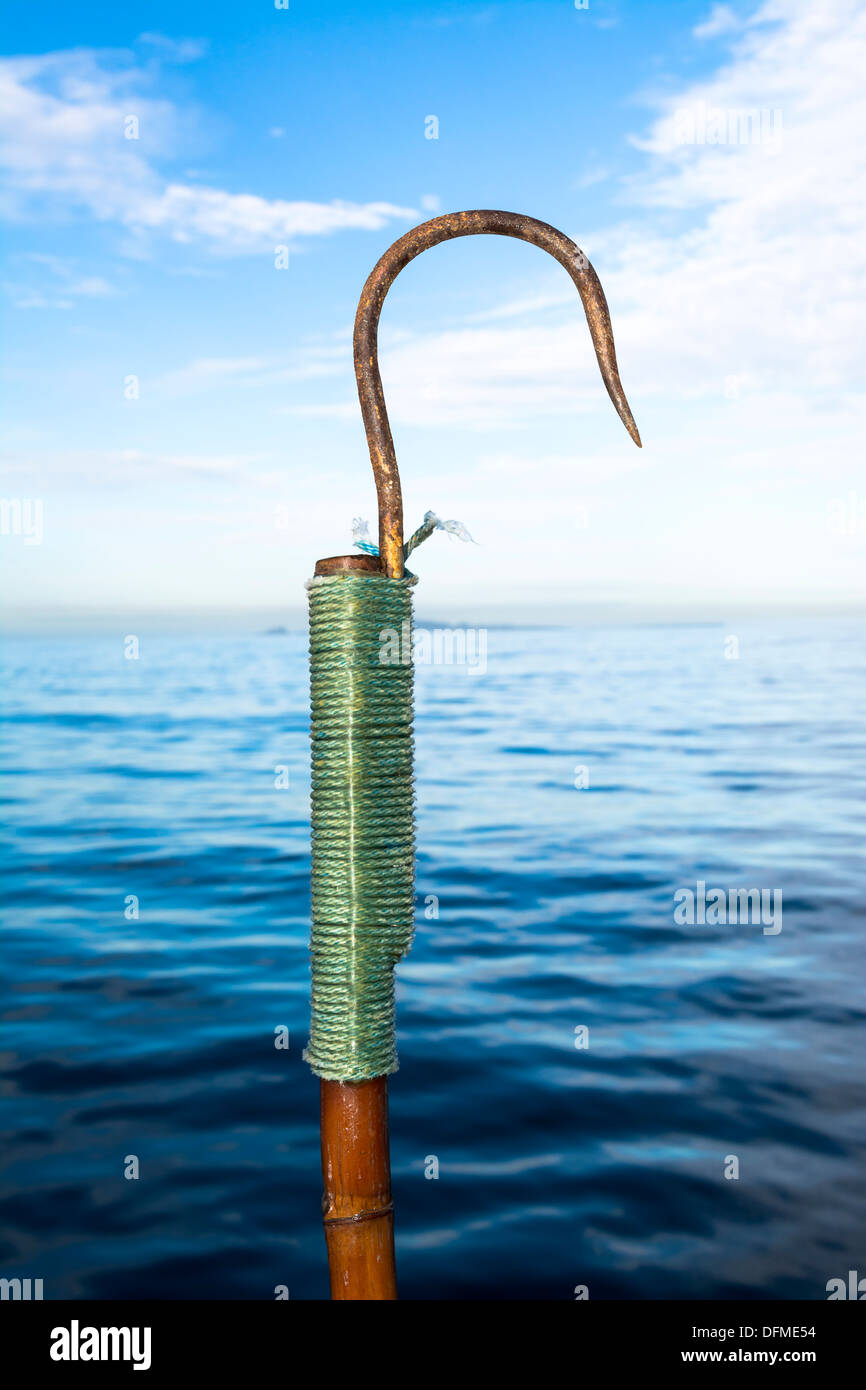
149 785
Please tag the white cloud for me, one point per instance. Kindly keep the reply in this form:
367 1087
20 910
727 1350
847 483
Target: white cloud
175 50
60 283
64 145
744 273
592 176
721 20
736 290
206 373
245 222
768 278
479 378
217 373
736 293
101 468
560 472
529 304
25 297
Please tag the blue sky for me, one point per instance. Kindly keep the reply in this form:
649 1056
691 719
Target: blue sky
730 247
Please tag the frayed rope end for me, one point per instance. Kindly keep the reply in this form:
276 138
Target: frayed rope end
431 523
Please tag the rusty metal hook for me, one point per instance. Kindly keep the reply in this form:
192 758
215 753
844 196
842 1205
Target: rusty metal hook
382 277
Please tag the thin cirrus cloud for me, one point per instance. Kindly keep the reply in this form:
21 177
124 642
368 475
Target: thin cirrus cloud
735 272
721 20
767 277
245 222
113 469
206 374
740 273
59 288
755 240
63 145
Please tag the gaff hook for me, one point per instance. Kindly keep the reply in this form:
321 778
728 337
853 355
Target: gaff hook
382 277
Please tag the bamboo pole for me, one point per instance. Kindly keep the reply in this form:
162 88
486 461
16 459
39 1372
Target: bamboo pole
357 1206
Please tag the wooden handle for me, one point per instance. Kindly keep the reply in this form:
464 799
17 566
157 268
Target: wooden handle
357 1207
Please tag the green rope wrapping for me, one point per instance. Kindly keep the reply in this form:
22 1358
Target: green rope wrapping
362 814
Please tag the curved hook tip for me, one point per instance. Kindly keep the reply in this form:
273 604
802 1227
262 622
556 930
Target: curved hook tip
610 377
628 420
405 249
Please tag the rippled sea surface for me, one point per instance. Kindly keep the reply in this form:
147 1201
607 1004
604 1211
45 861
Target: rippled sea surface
153 780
